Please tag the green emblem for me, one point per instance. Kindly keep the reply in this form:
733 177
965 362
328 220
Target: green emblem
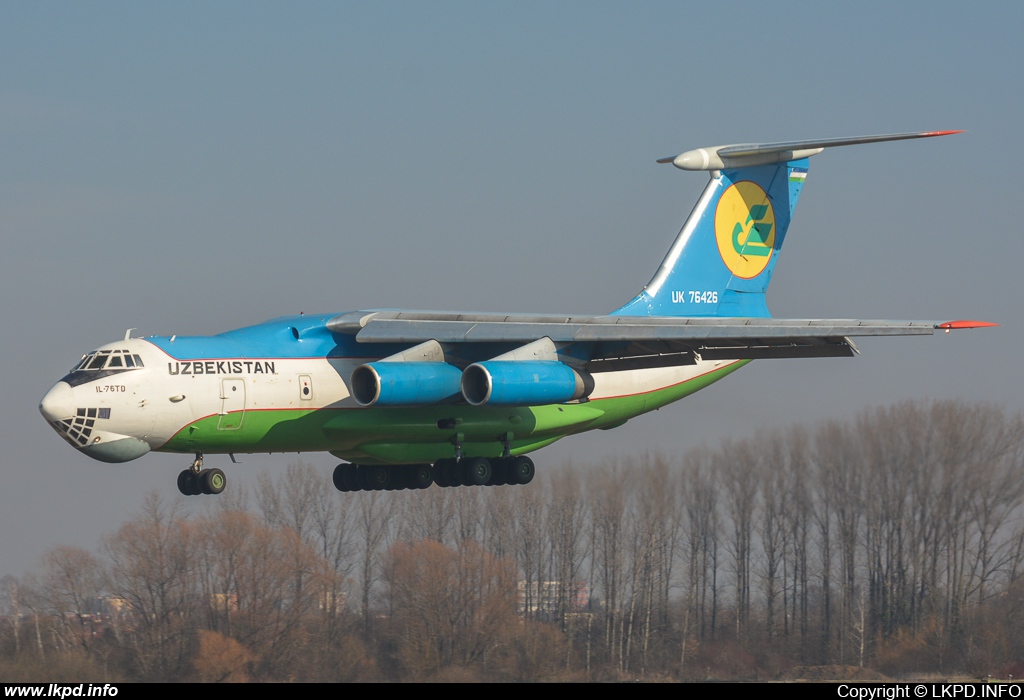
757 231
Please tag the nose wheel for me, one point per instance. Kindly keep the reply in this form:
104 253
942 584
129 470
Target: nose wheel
196 480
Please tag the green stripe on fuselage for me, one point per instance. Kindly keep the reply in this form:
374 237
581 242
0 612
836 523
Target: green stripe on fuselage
407 435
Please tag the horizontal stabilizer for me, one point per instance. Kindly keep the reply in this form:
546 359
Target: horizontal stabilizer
751 154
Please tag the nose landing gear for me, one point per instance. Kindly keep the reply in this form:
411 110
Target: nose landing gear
196 480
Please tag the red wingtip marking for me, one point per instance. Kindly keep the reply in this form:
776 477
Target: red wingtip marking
943 133
966 324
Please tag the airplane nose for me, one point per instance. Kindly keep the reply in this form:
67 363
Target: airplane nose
59 403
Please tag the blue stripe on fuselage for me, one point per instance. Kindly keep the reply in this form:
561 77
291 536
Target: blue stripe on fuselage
275 339
271 339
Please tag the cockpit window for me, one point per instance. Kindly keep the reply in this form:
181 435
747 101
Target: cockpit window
108 359
102 363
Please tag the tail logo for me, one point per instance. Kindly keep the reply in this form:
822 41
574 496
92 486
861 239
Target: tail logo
745 229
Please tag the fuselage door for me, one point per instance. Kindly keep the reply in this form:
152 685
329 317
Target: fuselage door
232 404
305 387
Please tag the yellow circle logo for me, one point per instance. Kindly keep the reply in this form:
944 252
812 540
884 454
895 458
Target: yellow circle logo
745 229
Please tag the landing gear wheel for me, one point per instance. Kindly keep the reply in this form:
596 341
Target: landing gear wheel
375 478
212 481
445 471
397 480
438 472
499 471
521 470
346 477
476 471
338 477
419 476
187 483
452 473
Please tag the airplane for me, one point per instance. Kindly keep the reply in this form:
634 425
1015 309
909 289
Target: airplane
410 399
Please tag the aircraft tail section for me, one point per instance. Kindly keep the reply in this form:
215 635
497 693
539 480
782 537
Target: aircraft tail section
723 258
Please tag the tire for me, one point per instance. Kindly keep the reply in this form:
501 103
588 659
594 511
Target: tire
444 470
419 476
521 471
350 477
186 484
438 470
499 471
375 478
213 481
197 481
453 473
338 477
476 471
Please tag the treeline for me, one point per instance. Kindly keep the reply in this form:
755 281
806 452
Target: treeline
894 541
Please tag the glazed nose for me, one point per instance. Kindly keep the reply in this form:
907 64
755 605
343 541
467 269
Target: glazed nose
59 403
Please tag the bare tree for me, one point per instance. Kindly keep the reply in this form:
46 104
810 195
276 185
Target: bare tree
840 500
71 583
700 502
152 568
373 520
531 545
608 493
11 608
736 463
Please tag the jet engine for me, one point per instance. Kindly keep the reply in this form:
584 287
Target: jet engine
404 383
512 383
415 377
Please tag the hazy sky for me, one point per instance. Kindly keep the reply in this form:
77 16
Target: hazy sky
194 167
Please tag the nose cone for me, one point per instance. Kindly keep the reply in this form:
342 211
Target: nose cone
58 403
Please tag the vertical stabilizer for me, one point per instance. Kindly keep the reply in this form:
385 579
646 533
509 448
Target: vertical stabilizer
723 258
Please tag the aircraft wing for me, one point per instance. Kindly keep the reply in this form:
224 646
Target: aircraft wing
631 342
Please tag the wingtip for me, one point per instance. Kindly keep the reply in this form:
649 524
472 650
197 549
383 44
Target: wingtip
956 325
947 132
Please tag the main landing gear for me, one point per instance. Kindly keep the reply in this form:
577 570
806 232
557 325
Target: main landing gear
469 471
196 480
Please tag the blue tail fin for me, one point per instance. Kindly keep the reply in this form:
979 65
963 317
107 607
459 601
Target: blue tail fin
722 260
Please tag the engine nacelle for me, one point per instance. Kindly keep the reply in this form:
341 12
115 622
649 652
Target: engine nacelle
511 383
404 383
